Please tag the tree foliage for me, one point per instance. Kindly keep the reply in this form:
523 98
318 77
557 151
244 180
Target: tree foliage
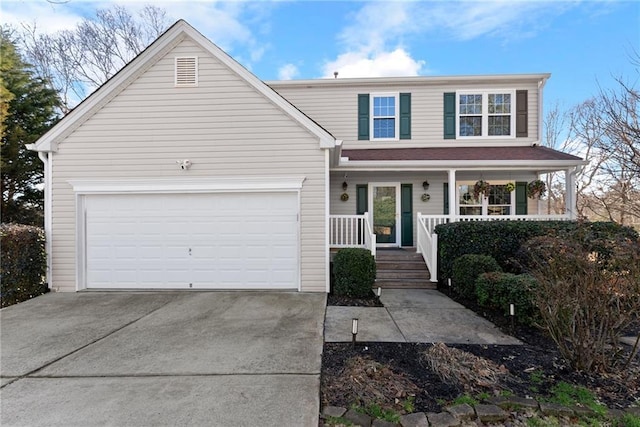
79 60
605 130
28 110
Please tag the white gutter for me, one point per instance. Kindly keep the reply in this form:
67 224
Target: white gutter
45 157
345 164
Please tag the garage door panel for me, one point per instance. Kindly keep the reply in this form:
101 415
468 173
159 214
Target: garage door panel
242 241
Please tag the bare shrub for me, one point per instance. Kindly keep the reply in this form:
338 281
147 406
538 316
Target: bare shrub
457 367
588 293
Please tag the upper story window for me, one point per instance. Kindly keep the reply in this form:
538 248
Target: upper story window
486 114
384 116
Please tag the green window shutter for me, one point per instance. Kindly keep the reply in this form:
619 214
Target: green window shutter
445 198
405 116
450 115
406 214
363 116
522 114
521 198
362 204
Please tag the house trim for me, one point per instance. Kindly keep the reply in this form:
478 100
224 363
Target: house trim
236 185
218 185
49 141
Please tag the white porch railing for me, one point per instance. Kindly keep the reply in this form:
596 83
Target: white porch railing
427 243
431 221
352 231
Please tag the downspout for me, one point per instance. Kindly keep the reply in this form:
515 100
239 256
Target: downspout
44 157
541 84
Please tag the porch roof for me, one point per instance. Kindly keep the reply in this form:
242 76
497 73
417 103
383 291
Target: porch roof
458 153
536 158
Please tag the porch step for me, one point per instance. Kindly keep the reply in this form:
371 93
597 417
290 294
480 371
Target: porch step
401 269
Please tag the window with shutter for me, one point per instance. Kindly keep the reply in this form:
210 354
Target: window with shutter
384 116
186 71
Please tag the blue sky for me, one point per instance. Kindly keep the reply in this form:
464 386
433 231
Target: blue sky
581 43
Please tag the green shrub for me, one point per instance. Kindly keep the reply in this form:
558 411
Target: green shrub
502 239
588 293
466 270
23 263
354 271
498 290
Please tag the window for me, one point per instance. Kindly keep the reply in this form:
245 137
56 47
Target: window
384 116
498 202
485 114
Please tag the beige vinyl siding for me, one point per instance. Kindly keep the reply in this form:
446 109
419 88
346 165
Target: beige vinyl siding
335 107
224 126
434 206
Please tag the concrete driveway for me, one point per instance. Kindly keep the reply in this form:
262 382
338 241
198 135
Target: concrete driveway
162 358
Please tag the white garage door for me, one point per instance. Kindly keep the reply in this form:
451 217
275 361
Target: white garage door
200 241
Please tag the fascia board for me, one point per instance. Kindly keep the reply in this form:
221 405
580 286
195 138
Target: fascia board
424 80
460 164
48 141
325 139
219 185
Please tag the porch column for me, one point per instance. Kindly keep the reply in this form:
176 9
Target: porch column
453 203
571 193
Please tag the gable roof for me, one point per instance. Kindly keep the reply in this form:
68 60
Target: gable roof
106 92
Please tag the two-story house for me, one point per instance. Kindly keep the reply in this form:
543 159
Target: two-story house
186 171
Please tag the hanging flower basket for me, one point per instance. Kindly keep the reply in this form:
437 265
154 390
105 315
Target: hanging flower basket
481 187
536 189
510 186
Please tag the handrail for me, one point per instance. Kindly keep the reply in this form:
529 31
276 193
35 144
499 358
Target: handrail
370 237
427 245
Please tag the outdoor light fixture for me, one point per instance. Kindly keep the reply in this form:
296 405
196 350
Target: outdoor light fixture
449 281
379 291
512 312
344 186
354 330
425 185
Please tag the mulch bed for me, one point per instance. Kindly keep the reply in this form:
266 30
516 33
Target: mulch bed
401 370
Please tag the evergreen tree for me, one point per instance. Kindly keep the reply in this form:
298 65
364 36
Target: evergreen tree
28 110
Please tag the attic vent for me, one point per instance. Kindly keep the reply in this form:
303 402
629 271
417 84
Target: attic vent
186 71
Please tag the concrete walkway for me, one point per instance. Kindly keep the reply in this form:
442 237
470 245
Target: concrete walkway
413 315
162 359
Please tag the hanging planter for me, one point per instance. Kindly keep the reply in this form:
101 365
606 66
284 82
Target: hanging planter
481 187
536 189
510 186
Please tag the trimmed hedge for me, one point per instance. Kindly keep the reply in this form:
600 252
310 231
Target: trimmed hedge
23 263
502 239
354 271
466 270
497 291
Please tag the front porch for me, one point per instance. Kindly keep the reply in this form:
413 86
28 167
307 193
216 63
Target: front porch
356 231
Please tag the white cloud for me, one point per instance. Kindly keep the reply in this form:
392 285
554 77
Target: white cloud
288 72
381 64
376 42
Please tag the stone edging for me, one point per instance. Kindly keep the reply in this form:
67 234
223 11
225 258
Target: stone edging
495 410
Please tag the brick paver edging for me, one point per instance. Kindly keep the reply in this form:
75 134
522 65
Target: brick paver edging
494 410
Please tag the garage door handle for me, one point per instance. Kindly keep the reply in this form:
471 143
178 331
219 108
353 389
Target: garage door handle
189 251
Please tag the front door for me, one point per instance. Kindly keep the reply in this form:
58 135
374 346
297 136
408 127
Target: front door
385 206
